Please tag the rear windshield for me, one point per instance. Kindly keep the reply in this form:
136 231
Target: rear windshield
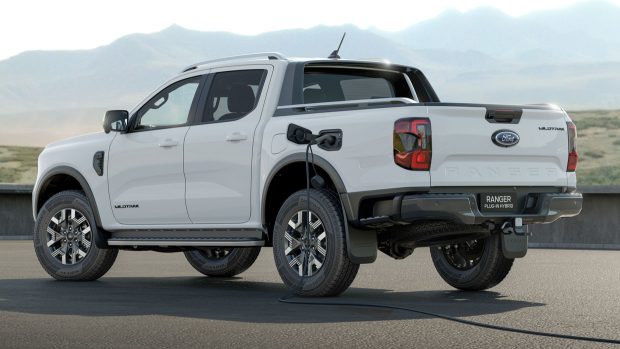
325 84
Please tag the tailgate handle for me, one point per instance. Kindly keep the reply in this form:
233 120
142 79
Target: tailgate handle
504 116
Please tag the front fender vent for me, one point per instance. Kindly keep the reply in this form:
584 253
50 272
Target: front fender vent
98 162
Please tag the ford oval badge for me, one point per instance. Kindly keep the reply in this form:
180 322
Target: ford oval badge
505 138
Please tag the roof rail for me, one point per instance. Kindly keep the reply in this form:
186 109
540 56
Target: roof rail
268 55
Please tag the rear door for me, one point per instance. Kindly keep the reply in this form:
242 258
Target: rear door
477 145
218 150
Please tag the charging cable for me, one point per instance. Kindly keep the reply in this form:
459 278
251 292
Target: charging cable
290 300
317 181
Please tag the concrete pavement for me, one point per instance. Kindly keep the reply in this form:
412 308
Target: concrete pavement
157 300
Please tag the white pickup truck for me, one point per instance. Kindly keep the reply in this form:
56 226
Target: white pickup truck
213 164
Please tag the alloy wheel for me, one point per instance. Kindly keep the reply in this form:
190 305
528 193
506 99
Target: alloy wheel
69 236
306 249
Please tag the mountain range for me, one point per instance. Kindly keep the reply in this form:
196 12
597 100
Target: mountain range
568 56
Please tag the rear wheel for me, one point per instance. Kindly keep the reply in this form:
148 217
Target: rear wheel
313 261
222 261
472 265
64 239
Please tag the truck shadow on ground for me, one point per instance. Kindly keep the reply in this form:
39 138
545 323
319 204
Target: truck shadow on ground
233 299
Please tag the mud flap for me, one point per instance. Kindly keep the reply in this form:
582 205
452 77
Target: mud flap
361 245
514 245
101 238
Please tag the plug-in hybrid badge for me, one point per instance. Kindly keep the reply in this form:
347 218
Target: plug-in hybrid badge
505 138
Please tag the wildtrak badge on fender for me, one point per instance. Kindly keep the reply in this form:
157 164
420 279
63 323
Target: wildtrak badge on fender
213 164
544 128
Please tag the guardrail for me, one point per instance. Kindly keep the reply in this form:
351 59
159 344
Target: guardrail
16 221
597 227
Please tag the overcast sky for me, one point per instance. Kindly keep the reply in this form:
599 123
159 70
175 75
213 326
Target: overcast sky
83 24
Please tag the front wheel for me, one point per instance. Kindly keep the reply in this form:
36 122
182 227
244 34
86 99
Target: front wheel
64 239
313 261
472 265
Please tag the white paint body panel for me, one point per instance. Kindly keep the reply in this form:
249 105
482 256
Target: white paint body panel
142 172
365 161
219 171
464 154
77 153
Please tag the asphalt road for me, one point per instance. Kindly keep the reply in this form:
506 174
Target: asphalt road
153 300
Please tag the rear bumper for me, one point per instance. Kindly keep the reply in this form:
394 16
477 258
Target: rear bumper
459 205
464 208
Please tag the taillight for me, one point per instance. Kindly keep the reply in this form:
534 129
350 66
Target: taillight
572 147
413 144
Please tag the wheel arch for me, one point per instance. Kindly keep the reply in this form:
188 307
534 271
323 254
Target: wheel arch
293 164
59 179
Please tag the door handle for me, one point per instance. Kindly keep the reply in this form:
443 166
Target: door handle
236 136
167 143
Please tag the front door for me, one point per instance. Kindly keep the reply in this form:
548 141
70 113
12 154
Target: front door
218 150
145 171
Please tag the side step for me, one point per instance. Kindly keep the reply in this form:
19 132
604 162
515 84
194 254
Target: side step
185 242
198 237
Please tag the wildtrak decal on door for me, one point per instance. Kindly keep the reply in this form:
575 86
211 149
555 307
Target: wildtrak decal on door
127 206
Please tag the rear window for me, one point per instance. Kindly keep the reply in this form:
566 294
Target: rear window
344 84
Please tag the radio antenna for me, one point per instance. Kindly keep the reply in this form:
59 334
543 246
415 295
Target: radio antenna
334 54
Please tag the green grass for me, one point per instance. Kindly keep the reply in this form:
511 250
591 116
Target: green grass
18 164
594 155
606 175
598 145
606 122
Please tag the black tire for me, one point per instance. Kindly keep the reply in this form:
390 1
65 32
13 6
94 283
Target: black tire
336 272
96 261
222 262
490 269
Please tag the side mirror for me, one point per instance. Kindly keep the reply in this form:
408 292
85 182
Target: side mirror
115 120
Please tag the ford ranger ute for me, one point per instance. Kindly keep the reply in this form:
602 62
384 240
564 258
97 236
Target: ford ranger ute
213 164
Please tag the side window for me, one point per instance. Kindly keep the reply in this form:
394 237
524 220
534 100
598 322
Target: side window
170 107
233 94
345 84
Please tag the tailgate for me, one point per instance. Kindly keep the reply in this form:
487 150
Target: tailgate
474 145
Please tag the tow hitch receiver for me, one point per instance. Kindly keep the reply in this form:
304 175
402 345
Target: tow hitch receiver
514 238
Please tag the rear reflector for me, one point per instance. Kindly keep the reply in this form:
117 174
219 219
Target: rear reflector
413 144
572 147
